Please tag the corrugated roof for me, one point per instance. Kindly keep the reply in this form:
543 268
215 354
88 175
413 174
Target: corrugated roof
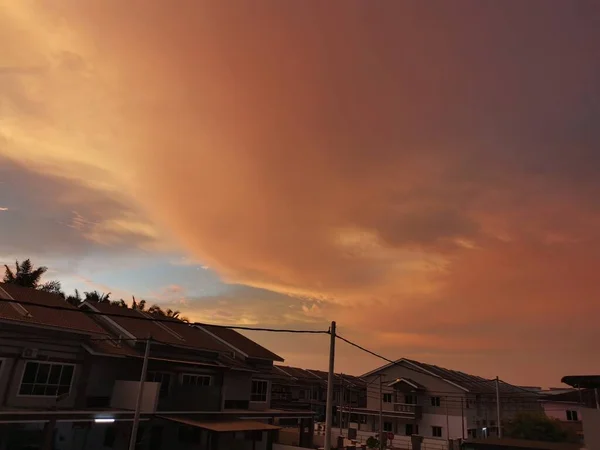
225 426
73 320
319 375
241 343
174 332
472 383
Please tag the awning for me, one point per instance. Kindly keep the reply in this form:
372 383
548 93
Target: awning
225 426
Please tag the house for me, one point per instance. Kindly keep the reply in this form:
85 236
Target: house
69 379
438 403
296 388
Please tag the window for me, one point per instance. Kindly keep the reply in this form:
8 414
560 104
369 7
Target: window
363 418
163 378
46 379
195 380
472 432
387 426
468 403
387 398
572 415
436 431
259 391
435 401
411 429
410 399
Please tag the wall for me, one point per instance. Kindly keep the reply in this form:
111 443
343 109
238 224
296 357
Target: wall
454 423
433 384
591 428
237 385
125 395
286 447
50 348
558 410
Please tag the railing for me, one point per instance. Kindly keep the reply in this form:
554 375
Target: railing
408 408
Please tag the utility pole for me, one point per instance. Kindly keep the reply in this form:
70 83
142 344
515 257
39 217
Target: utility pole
462 413
447 420
382 438
138 403
498 407
341 402
329 403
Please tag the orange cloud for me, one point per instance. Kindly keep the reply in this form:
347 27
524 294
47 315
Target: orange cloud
430 169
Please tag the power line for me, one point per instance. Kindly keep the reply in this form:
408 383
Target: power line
162 319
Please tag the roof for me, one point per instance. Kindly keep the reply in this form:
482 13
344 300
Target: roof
318 375
240 343
465 381
299 374
411 383
173 332
584 397
225 426
582 381
66 320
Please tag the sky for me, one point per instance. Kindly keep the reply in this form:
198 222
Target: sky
425 174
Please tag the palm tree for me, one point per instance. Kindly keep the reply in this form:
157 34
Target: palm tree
120 303
155 309
74 300
96 297
141 305
26 275
173 314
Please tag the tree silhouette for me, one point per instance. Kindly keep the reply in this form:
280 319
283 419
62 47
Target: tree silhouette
538 427
141 305
120 303
74 300
96 297
26 275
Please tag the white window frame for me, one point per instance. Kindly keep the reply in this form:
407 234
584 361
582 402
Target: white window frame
266 391
196 376
434 428
436 401
51 363
387 395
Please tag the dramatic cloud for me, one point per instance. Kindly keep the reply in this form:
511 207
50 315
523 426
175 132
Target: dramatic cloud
434 166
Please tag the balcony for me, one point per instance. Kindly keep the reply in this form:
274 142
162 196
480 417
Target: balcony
411 410
191 398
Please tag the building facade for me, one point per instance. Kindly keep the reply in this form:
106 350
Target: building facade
438 403
69 379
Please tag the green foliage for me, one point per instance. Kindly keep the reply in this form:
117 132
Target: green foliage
373 442
538 427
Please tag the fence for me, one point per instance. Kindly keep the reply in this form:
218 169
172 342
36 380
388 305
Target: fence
398 443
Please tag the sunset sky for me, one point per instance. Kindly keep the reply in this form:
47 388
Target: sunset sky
427 174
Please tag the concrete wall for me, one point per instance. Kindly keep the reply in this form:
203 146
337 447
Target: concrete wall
591 428
125 395
558 410
237 385
434 385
